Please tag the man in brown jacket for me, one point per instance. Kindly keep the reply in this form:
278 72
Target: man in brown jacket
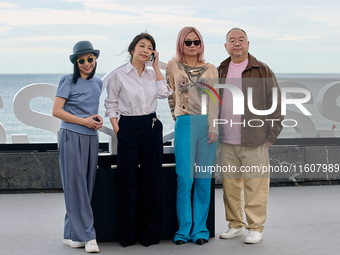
246 137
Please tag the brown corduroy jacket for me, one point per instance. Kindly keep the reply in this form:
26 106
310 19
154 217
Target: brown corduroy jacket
261 79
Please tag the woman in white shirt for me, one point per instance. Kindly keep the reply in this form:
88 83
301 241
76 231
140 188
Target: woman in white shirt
132 96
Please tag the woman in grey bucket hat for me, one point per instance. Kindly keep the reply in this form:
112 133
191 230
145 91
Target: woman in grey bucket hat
76 103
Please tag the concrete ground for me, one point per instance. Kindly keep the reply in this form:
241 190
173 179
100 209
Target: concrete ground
301 220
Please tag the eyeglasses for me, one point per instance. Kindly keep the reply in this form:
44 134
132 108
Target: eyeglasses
189 43
239 41
81 61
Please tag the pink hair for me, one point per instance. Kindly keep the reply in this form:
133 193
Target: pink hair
180 43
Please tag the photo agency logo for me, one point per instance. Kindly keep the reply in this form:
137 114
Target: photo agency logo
297 103
238 105
204 96
310 106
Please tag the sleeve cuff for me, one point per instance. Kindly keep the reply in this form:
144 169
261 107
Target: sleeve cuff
111 115
213 129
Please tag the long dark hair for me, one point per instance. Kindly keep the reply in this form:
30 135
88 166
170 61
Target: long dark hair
76 72
137 39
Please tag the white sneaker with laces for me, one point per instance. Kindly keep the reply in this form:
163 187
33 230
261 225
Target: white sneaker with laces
91 246
232 232
73 244
254 237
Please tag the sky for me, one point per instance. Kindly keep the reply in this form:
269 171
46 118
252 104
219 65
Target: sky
37 36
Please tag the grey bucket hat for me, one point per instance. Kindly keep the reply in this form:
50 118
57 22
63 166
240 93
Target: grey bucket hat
83 47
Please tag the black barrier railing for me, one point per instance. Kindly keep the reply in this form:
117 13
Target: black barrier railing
308 141
41 147
104 147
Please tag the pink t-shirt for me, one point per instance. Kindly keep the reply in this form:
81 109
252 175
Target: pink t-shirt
231 132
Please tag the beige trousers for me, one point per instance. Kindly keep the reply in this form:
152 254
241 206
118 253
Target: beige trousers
245 175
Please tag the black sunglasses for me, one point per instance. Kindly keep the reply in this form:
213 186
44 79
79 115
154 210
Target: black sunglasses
189 43
81 61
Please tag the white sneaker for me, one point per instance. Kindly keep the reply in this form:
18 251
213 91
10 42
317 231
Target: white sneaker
232 232
91 246
254 237
73 244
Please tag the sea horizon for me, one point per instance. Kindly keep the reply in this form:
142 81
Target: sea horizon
11 83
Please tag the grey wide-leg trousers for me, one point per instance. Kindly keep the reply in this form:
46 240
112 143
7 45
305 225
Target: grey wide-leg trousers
78 157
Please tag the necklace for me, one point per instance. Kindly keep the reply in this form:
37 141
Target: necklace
191 68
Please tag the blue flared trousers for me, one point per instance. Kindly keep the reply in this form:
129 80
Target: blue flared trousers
193 187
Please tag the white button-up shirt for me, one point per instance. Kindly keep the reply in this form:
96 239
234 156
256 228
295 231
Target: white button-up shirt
132 95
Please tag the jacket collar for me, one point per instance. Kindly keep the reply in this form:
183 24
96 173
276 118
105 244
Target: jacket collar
252 62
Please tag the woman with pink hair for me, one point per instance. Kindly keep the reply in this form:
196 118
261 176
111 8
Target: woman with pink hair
192 79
